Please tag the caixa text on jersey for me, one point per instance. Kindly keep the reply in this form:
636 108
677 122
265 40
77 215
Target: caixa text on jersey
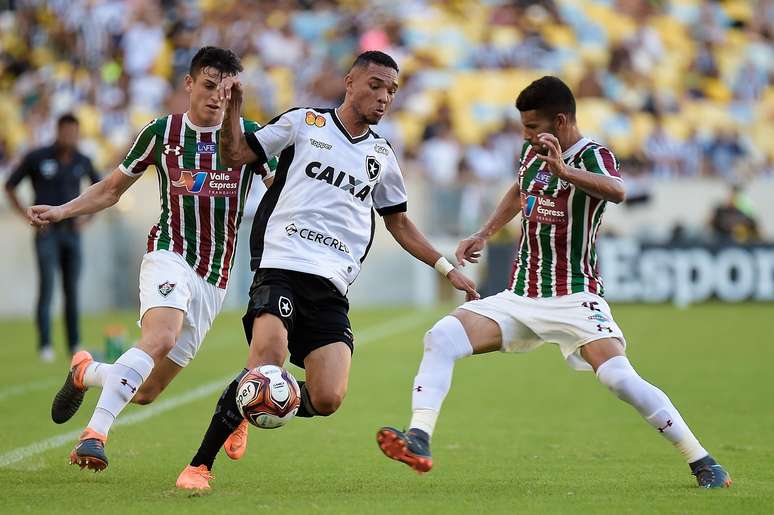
342 180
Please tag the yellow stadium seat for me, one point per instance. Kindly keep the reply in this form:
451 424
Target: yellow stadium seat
90 121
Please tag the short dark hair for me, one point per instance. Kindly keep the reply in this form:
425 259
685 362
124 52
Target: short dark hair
548 95
222 59
376 57
67 118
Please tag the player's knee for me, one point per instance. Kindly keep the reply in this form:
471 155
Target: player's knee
619 376
447 338
146 394
159 343
268 349
144 398
327 403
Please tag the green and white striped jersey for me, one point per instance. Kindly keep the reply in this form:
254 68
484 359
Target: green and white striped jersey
201 200
556 254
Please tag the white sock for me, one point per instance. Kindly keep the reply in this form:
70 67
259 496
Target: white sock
123 380
445 343
96 373
650 402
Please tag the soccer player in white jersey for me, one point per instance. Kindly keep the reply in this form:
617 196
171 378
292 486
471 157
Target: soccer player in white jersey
311 233
190 251
555 293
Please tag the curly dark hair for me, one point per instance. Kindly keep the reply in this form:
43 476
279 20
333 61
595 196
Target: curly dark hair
548 95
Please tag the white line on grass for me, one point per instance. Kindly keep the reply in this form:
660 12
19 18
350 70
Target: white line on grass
15 391
23 453
368 335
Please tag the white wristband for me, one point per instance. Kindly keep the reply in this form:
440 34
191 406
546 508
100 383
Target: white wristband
443 266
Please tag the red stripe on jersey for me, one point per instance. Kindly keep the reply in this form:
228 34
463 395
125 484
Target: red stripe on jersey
560 259
583 149
205 229
608 161
176 123
515 265
154 232
533 279
230 230
593 204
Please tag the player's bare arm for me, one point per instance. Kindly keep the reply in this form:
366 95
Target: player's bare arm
470 248
233 146
414 242
596 185
97 197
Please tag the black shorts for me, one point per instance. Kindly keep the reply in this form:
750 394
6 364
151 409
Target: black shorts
313 311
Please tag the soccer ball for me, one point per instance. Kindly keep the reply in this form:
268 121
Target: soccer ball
268 396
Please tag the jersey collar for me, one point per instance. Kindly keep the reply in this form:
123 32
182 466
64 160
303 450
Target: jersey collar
570 152
344 130
197 128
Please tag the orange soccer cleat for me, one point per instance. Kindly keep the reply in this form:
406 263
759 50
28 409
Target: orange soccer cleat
411 447
90 451
236 444
194 478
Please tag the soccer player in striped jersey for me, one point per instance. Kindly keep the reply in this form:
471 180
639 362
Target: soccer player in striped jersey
189 255
555 293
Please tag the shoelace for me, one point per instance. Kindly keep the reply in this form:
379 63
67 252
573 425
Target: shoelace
206 474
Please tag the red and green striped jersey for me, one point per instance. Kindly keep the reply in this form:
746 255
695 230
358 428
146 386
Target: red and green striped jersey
556 254
201 200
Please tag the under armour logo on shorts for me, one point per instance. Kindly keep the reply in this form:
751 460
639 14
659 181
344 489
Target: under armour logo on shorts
285 307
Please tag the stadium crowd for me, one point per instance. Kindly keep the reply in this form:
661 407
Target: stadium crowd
677 88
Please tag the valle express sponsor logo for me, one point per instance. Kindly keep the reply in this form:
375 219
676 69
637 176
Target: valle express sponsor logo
218 183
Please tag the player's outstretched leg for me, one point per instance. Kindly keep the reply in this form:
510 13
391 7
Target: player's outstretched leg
125 377
70 396
225 421
655 407
445 343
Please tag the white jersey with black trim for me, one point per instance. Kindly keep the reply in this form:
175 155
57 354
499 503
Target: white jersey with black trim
318 215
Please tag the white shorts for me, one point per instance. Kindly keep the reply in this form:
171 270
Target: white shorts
166 280
570 321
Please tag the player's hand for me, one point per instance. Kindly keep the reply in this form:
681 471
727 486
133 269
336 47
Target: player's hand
463 283
470 249
230 90
554 159
42 215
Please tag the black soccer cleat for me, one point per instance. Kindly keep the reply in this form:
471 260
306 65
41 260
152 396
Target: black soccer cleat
411 447
70 396
90 451
710 474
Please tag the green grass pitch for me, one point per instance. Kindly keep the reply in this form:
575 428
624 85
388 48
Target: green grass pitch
518 434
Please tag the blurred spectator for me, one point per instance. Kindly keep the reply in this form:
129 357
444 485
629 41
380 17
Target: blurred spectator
645 47
441 159
724 152
750 83
662 151
56 173
733 221
692 152
589 85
